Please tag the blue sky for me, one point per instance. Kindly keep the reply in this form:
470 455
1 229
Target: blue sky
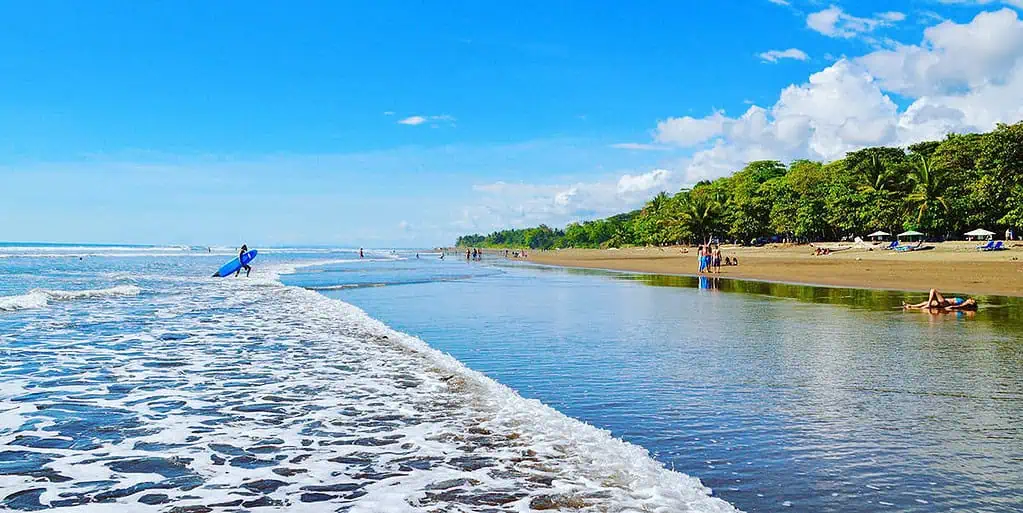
408 123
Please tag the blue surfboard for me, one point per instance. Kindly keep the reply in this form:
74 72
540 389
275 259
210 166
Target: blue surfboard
232 266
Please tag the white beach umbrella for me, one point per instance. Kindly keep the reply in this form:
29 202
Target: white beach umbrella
910 234
979 232
879 233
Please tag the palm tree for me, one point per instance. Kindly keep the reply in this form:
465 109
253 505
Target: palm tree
656 205
928 190
874 176
699 213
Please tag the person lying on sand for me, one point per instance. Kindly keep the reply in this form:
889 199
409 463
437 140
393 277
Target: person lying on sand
935 301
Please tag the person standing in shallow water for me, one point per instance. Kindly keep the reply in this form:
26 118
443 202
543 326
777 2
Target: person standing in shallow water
241 252
360 253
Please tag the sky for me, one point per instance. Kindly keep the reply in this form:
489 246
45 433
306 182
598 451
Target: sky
405 124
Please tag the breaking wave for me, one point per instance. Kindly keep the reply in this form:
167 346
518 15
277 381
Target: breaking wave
224 395
38 298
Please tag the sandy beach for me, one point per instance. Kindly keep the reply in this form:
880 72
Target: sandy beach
951 266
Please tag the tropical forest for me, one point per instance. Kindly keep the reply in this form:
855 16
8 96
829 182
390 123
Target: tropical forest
940 188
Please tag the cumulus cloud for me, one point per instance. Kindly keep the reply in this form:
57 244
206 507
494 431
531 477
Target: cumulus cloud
952 57
834 22
644 183
779 2
961 78
688 131
777 55
419 120
503 204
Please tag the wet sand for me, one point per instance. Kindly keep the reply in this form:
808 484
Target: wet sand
955 267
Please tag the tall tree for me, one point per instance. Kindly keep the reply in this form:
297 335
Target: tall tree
927 194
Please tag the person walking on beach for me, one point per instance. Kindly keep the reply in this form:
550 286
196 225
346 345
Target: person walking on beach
241 253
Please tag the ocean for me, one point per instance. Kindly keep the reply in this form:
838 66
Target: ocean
326 382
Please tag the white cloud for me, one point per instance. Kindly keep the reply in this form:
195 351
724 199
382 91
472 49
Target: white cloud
952 57
779 2
892 16
630 184
962 78
834 22
640 146
388 112
412 120
434 120
505 205
404 226
689 131
791 53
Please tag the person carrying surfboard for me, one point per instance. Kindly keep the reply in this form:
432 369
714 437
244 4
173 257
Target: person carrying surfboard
241 252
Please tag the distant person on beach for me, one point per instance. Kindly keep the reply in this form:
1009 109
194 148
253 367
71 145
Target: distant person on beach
360 253
468 254
716 257
245 249
704 256
935 301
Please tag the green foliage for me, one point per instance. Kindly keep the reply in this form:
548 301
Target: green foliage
942 188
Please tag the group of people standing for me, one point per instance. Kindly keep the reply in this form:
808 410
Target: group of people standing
473 255
710 258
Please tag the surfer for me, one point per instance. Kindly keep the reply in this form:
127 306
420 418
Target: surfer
245 249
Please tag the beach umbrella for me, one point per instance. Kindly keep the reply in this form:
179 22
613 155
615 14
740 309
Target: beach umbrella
879 233
910 233
979 232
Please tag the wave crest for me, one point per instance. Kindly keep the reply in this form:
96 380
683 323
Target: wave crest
39 298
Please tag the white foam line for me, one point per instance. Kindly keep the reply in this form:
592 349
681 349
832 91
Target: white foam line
594 453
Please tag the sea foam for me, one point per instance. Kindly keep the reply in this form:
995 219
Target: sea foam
38 298
236 394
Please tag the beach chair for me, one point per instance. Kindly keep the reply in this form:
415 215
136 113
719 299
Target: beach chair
986 247
893 245
998 246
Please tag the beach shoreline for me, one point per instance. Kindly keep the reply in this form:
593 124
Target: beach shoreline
955 267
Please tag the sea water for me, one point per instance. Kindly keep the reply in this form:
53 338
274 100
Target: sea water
130 381
778 397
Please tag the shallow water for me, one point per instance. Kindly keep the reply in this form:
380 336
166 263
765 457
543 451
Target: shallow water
130 380
776 396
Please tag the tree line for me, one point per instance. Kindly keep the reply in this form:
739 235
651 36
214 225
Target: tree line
941 188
